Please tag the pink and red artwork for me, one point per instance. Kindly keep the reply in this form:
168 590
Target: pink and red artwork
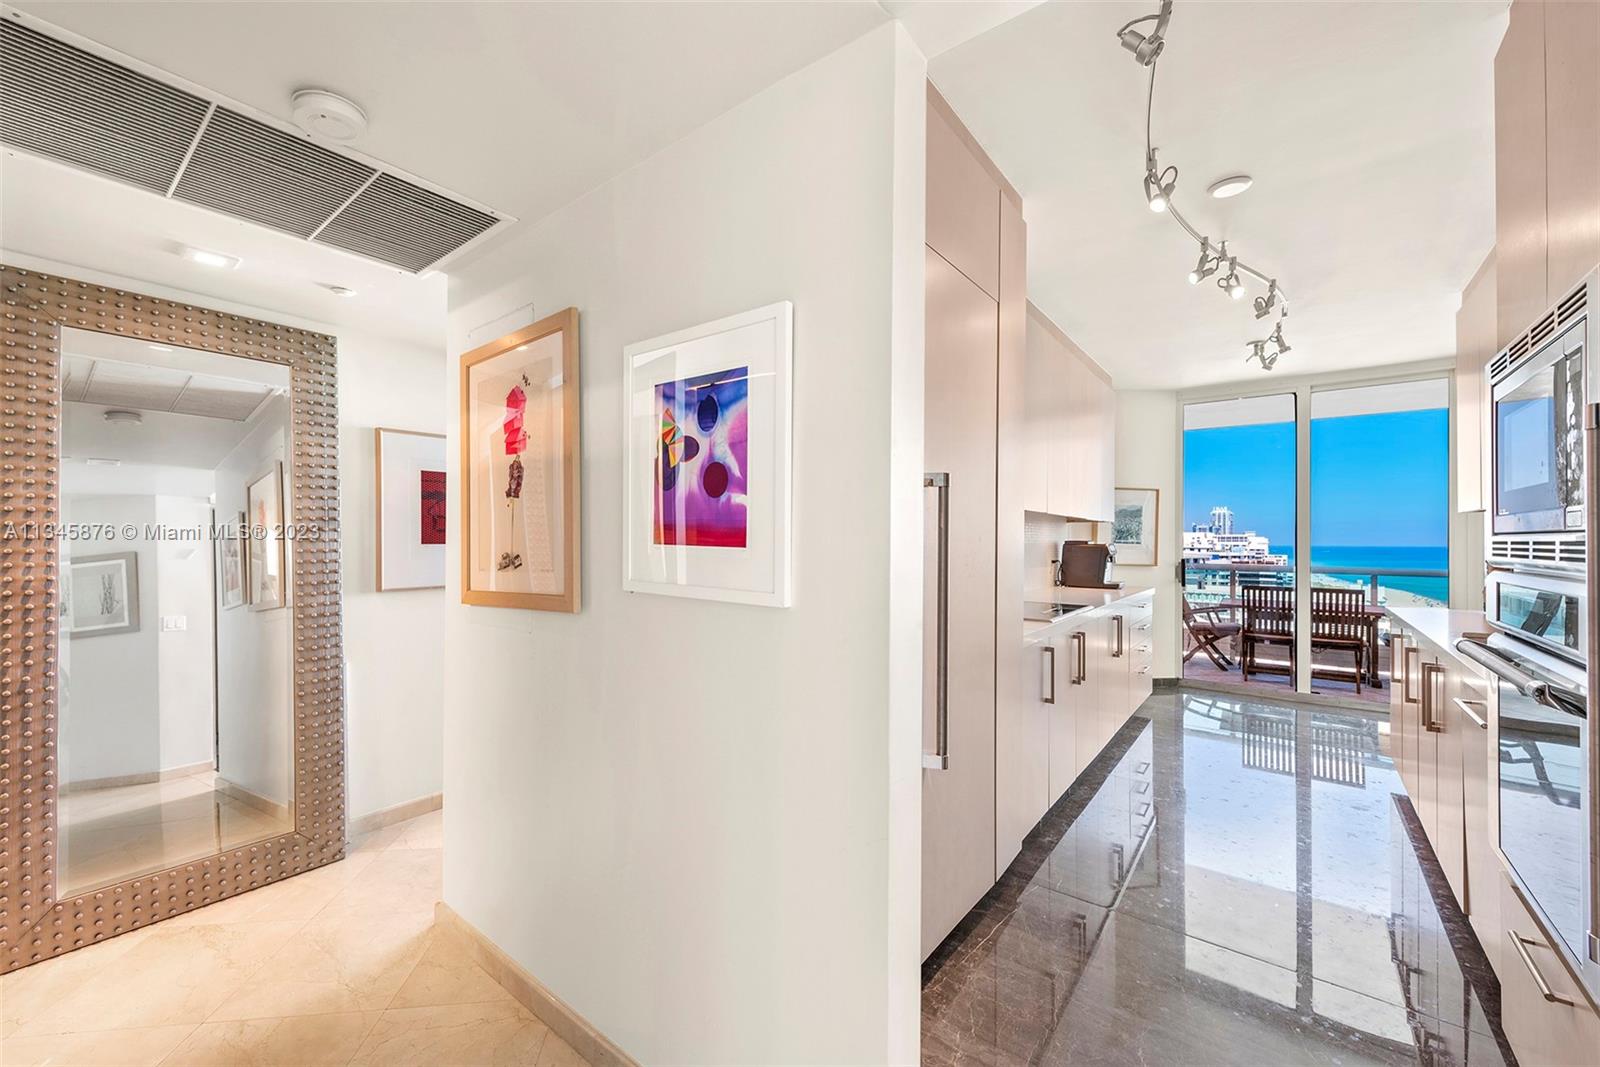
432 507
702 474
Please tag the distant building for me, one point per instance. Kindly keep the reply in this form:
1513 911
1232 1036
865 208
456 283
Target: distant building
1216 544
1222 520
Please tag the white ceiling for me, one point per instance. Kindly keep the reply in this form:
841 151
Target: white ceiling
1368 128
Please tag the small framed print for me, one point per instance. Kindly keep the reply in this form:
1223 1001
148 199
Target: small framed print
520 540
104 595
410 509
265 566
707 471
1135 530
231 563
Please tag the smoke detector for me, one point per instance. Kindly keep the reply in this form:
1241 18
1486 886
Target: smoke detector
328 116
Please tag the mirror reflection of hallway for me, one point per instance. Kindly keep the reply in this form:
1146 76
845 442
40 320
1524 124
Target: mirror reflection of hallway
175 667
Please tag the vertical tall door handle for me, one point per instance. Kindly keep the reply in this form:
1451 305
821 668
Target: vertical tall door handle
1520 942
1405 662
1430 685
939 758
1050 650
1117 624
1081 675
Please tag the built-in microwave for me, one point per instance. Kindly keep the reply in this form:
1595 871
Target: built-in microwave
1538 440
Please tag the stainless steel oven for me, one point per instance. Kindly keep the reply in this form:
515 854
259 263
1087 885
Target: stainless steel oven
1538 439
1546 610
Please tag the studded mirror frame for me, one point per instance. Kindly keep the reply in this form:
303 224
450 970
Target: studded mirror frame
35 924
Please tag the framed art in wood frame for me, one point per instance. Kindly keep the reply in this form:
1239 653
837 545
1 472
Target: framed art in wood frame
1136 530
264 505
707 472
410 476
521 485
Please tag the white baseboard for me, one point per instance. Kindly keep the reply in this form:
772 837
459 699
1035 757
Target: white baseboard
410 809
532 994
265 805
116 781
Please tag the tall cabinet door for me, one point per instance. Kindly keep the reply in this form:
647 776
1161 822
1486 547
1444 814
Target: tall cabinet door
1521 222
958 831
1572 130
1060 675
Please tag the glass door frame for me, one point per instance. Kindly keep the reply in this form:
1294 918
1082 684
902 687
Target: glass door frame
1301 388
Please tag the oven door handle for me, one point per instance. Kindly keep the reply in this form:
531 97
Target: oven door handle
1558 698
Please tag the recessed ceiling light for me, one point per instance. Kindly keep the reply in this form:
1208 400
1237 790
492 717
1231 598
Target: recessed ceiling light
340 290
1232 185
127 418
102 461
159 348
205 258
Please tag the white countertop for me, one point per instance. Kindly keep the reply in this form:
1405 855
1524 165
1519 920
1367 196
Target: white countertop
1090 598
1443 627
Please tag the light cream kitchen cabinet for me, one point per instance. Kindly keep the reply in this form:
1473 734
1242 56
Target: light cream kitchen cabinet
1521 233
1572 142
1026 745
1089 650
963 200
1477 341
1069 423
1482 900
1546 1016
1061 667
958 799
1445 720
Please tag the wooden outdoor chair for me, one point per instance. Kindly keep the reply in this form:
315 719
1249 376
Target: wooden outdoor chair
1206 630
1268 620
1339 623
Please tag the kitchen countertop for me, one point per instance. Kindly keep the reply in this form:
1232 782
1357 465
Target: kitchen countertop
1442 627
1090 598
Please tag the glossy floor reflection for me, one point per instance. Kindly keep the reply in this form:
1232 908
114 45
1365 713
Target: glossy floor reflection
1230 883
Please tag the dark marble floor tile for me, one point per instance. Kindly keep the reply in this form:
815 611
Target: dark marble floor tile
1230 882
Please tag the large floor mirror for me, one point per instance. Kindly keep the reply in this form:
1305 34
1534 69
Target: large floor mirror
173 703
174 657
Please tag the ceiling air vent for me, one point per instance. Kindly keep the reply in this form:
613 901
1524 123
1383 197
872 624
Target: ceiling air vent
65 103
249 170
76 106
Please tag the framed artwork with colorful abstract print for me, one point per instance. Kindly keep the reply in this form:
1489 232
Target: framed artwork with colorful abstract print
707 469
520 539
410 471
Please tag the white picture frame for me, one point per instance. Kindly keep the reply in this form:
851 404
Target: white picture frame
410 530
103 597
707 515
1135 527
266 569
232 571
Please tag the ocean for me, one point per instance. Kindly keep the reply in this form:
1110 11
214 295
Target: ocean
1406 558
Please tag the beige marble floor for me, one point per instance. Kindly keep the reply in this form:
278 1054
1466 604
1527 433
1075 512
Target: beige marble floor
109 835
339 966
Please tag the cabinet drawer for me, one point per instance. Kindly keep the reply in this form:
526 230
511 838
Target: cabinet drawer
1546 1016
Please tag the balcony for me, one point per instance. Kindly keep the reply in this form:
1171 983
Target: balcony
1333 671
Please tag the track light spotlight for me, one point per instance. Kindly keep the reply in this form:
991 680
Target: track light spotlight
1259 353
1207 266
1230 283
1146 48
1265 304
1277 339
1158 187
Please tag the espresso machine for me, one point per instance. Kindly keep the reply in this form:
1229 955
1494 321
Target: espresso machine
1087 565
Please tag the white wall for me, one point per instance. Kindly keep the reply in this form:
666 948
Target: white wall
393 641
255 670
1147 458
186 658
688 818
111 719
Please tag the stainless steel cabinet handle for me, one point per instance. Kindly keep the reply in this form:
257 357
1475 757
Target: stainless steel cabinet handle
1118 623
1050 650
1082 675
1405 665
1430 678
1521 943
1466 707
939 759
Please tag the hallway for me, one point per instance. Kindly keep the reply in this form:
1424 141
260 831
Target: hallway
342 965
1261 910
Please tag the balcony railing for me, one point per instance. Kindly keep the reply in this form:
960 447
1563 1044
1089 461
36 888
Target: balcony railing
1201 591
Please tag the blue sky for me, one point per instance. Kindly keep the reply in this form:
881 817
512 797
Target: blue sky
1361 493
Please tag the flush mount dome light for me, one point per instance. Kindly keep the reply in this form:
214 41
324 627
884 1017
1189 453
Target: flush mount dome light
328 116
1232 185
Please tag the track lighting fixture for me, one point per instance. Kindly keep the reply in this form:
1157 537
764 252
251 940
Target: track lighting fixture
1207 266
1265 304
1146 48
1159 185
